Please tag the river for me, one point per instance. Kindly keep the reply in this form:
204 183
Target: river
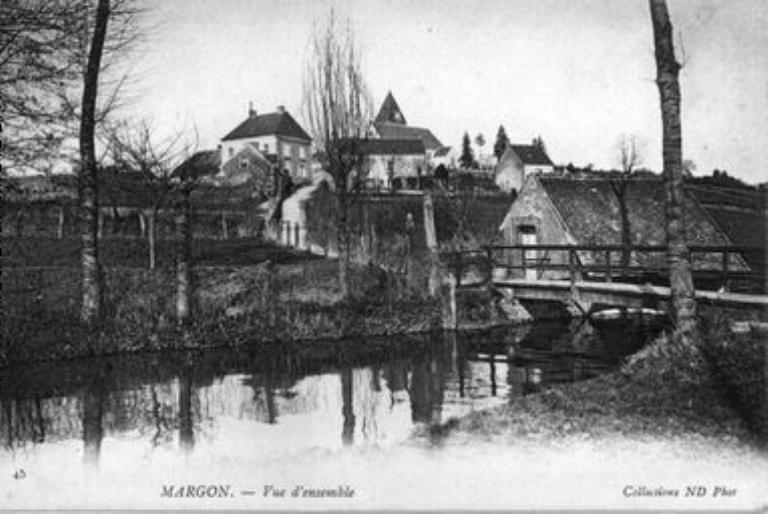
154 420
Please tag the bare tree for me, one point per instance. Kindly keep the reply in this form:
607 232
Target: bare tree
680 279
44 51
338 109
88 183
53 56
630 158
38 39
134 147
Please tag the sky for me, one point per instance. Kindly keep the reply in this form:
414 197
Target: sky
580 73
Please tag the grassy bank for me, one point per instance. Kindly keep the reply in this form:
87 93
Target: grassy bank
716 391
233 306
134 252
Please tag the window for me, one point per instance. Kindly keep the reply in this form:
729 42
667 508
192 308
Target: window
231 151
266 147
256 144
244 162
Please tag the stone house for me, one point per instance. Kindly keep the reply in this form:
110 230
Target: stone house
517 162
393 163
571 211
279 138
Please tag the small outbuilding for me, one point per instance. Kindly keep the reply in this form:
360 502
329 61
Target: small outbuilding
553 210
519 161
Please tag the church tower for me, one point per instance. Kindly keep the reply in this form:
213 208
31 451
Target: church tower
390 112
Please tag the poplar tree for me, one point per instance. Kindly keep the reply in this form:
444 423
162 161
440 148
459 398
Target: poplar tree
502 142
467 157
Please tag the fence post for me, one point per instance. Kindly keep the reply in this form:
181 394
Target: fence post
450 309
100 224
572 273
151 238
608 277
224 225
523 262
374 245
725 285
60 231
296 234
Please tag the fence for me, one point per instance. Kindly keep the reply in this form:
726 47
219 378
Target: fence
714 267
46 233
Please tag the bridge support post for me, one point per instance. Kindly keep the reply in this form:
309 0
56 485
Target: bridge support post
725 283
450 310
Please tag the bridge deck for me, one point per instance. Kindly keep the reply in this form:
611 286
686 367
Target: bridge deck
636 290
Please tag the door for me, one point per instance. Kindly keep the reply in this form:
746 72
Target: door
528 237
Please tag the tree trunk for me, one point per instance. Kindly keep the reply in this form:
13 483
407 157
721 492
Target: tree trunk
88 184
430 234
183 258
342 239
680 279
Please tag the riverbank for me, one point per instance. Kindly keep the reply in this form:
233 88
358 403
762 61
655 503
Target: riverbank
715 392
233 306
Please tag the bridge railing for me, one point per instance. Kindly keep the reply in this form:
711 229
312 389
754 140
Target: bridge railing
714 267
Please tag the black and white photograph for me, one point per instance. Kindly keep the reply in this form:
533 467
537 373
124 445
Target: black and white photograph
384 255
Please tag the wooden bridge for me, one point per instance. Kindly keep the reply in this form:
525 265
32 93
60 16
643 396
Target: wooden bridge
587 277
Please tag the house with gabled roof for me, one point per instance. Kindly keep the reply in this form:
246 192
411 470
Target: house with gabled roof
551 210
517 162
277 136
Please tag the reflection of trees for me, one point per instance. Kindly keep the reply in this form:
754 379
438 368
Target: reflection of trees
347 410
186 424
427 385
93 412
396 375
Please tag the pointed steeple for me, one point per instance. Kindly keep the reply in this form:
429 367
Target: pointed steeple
390 112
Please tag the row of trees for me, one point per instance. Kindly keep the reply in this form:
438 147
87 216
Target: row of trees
467 156
62 65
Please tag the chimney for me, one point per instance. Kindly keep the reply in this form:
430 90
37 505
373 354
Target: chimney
251 112
281 109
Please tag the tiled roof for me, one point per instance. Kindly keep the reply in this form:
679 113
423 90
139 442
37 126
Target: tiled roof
390 112
385 146
206 162
590 210
273 123
740 214
397 131
531 154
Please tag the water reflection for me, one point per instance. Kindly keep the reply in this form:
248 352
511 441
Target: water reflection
292 398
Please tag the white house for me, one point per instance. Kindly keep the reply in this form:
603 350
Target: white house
517 162
393 163
278 136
